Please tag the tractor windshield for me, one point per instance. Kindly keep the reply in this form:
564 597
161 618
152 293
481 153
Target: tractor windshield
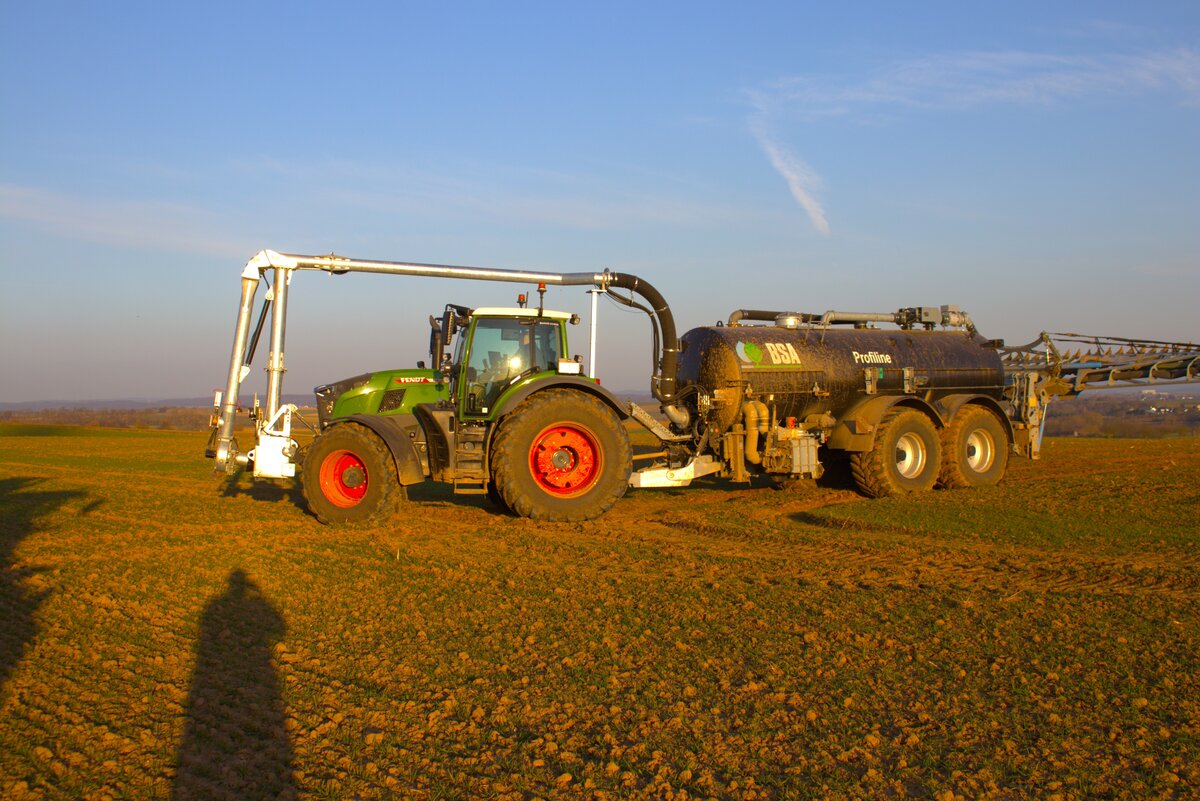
504 348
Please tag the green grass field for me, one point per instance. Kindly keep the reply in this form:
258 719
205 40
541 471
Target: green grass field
168 633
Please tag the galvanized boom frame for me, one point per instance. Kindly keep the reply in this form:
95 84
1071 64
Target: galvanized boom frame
274 446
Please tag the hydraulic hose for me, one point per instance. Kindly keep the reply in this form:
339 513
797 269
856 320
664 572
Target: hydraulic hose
663 385
633 304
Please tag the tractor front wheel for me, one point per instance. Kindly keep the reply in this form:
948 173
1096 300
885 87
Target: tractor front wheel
349 478
562 455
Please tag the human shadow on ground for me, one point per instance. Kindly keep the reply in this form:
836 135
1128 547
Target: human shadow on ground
21 513
235 744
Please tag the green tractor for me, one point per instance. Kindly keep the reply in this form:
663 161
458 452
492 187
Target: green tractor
500 410
505 412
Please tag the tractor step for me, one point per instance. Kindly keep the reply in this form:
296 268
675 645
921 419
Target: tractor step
470 461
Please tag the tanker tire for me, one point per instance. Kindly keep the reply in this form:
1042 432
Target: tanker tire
581 447
905 458
974 450
332 466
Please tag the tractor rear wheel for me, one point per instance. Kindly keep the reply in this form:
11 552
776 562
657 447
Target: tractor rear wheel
974 449
906 456
562 455
349 477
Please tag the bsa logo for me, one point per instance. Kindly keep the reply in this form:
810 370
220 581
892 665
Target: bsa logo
748 352
778 353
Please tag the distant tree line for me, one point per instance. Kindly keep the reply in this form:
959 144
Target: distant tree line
166 417
1095 415
1115 414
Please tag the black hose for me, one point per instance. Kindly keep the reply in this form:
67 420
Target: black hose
624 301
664 387
751 314
253 346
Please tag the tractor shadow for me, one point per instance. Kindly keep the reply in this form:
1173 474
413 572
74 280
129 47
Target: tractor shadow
235 742
242 483
433 492
22 511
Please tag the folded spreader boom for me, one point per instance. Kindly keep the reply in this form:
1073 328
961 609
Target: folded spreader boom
1080 361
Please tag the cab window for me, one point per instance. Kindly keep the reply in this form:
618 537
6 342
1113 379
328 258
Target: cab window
504 349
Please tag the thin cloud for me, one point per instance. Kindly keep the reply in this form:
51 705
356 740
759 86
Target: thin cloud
517 196
800 178
974 79
510 197
145 225
958 81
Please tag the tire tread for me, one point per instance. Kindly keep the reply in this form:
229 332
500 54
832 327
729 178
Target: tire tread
369 444
510 454
871 471
952 475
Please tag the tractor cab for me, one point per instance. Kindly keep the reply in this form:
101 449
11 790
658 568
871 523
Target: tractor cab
506 348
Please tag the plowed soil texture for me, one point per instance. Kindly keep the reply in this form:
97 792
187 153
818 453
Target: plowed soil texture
168 633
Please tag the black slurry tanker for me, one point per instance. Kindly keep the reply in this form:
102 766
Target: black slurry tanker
501 409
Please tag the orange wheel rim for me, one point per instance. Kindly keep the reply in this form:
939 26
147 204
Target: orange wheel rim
343 479
566 460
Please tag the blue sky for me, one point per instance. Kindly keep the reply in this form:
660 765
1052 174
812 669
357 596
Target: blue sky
1037 164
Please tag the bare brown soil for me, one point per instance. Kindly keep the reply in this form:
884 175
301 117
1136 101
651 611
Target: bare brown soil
171 633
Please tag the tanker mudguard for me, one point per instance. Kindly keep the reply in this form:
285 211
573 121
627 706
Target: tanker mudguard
855 430
403 435
588 385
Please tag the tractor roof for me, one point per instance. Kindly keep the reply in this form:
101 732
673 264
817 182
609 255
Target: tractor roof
497 311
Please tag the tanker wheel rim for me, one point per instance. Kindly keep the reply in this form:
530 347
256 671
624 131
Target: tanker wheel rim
566 460
911 455
980 451
343 478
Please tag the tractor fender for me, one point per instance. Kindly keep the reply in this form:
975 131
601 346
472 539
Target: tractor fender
587 385
403 436
855 430
951 404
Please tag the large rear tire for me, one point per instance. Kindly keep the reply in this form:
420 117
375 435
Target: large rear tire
562 455
349 477
974 449
906 456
